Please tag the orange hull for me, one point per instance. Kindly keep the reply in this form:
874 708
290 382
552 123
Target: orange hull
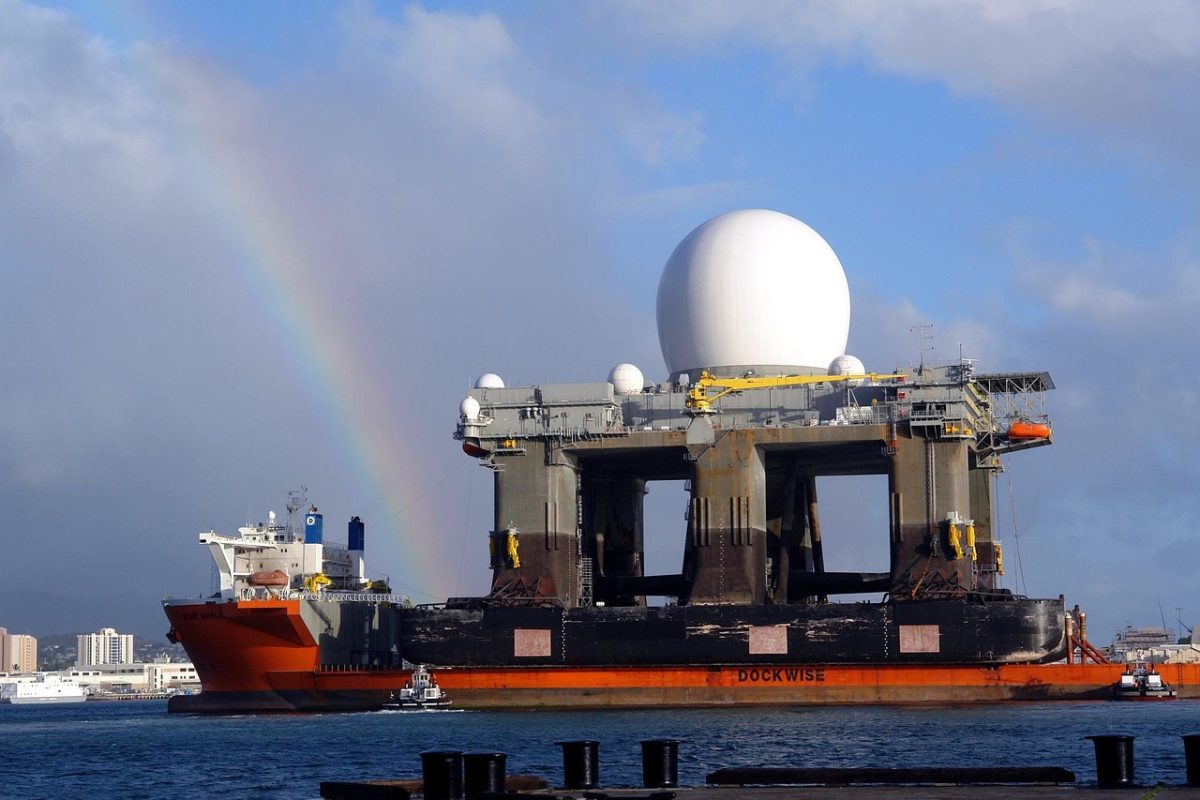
260 656
791 685
236 646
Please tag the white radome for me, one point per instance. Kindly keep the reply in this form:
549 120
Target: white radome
626 379
489 380
752 288
848 365
469 408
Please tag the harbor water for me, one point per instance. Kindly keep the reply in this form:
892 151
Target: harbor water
137 750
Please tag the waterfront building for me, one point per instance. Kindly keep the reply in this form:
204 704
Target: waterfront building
18 652
104 647
159 675
1155 645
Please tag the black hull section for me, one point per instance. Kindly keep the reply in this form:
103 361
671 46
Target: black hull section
918 632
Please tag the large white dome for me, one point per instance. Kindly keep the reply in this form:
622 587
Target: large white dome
753 288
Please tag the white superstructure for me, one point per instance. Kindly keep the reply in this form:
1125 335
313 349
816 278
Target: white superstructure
40 688
273 559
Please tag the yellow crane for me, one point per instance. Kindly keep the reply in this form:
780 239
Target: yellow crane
316 582
699 401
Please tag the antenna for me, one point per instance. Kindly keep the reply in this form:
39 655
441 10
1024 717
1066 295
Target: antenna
924 334
296 500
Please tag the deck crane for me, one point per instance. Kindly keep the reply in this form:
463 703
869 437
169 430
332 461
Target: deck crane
699 401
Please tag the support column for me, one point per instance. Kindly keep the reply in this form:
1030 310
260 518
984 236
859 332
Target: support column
983 484
727 547
788 520
536 496
614 531
928 482
814 526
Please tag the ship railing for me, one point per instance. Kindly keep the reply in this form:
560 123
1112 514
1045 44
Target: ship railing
359 667
354 597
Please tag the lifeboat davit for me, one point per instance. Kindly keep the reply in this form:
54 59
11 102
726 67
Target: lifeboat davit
274 578
1028 430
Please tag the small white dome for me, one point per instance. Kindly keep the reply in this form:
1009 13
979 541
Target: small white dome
489 380
752 288
626 379
848 365
469 408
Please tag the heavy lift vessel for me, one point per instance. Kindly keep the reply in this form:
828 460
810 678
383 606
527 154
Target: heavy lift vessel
567 621
752 615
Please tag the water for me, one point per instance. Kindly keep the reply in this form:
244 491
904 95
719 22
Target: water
137 750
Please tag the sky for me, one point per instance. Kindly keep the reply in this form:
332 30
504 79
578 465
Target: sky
246 248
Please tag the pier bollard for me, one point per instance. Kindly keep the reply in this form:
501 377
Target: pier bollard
1191 755
483 773
660 763
1114 760
581 763
442 774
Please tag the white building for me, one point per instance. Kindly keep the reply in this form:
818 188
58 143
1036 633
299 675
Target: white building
18 652
157 676
105 647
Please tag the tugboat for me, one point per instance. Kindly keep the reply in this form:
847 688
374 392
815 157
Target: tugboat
1141 682
420 691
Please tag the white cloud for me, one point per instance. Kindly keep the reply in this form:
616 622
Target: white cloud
1079 293
464 71
67 93
1125 72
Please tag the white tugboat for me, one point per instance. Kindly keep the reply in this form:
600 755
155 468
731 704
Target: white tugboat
421 691
1142 682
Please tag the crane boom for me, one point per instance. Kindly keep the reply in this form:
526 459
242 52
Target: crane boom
699 401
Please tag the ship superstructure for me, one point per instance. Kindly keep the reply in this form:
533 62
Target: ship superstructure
274 559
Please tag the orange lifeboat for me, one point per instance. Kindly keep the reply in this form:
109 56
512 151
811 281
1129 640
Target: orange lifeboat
274 578
474 450
1028 430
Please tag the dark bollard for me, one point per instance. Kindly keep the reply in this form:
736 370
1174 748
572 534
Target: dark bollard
660 763
483 773
1191 754
1114 760
442 774
581 764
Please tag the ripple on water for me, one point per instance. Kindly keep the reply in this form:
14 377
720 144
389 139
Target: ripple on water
119 750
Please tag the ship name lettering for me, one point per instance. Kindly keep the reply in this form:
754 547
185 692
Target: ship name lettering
783 675
202 615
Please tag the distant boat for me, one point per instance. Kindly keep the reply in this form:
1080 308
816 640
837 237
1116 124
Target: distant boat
45 688
421 691
1141 682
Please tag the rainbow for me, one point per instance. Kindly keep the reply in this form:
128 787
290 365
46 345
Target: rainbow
285 258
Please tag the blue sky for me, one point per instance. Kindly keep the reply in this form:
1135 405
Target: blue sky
249 246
